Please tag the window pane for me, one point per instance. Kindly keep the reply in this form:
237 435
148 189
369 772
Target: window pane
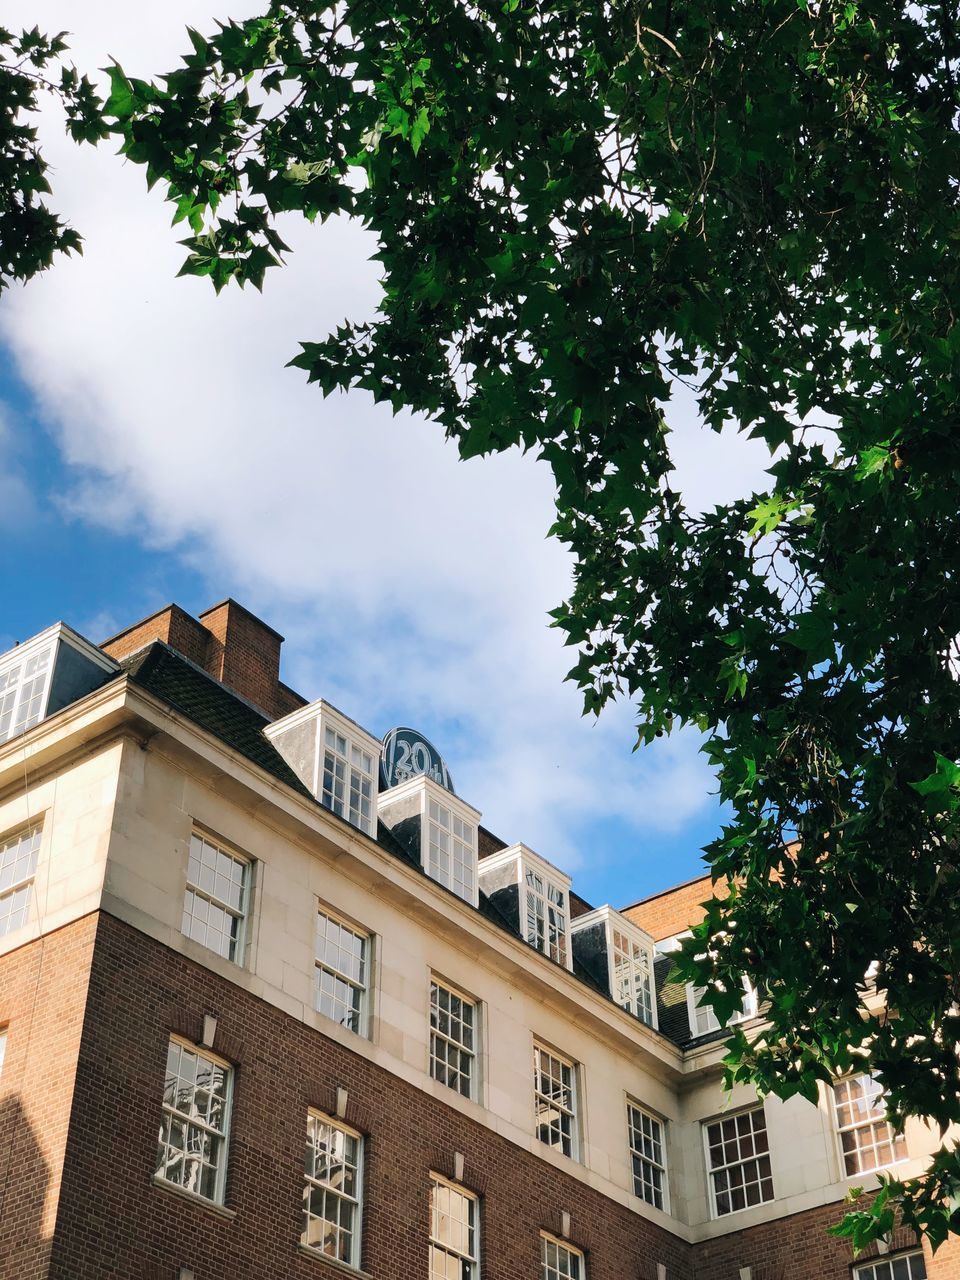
453 1232
331 1195
867 1138
214 904
192 1139
647 1154
341 972
554 1093
559 1261
740 1171
451 1039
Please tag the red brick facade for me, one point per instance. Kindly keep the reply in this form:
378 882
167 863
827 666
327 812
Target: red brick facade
43 999
674 910
112 1221
140 992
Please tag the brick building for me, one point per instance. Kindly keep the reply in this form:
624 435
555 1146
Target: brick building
274 1003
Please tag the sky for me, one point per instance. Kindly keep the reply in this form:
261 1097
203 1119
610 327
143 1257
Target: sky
153 447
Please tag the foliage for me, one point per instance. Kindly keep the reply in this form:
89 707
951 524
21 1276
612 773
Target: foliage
30 233
577 206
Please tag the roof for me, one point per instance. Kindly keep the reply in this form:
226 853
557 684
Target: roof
163 672
174 679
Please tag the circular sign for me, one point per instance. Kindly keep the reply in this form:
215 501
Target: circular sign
407 754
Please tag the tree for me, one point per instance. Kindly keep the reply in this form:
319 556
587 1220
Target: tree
579 204
30 233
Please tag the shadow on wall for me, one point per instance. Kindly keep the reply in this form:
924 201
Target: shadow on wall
24 1179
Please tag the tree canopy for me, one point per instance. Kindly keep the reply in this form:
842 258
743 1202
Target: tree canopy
579 205
30 232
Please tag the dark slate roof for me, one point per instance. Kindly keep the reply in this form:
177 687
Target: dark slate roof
174 679
672 1017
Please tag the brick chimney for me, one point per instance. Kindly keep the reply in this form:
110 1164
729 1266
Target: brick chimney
228 641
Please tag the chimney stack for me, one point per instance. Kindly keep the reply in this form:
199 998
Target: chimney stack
228 641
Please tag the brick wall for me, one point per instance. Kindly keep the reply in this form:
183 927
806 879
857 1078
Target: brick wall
43 988
139 992
799 1248
675 910
83 1205
228 642
173 626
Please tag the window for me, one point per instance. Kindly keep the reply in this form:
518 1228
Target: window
738 1161
632 988
546 917
647 1157
347 783
703 1020
559 1261
867 1138
215 905
23 692
452 1038
18 866
342 963
192 1149
3 1047
451 852
905 1266
332 1194
454 1232
556 1101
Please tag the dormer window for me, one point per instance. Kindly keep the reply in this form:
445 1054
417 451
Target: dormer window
534 896
547 917
348 781
703 1020
45 674
619 956
439 831
451 850
23 692
334 758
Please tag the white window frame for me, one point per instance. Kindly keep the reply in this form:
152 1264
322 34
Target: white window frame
412 800
892 1139
451 849
468 1053
545 919
355 1201
704 1013
743 1160
21 883
883 1268
353 767
240 913
23 702
547 1101
322 965
645 1157
562 1247
220 1136
3 1047
512 866
468 1263
638 993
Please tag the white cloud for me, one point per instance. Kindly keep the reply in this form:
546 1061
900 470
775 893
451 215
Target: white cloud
402 577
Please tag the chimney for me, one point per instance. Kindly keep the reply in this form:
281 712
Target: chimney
244 653
228 642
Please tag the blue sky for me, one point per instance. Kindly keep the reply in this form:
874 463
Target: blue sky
153 447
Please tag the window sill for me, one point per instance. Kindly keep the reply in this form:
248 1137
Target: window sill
220 1210
344 1267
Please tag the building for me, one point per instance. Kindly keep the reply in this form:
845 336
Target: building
274 1003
